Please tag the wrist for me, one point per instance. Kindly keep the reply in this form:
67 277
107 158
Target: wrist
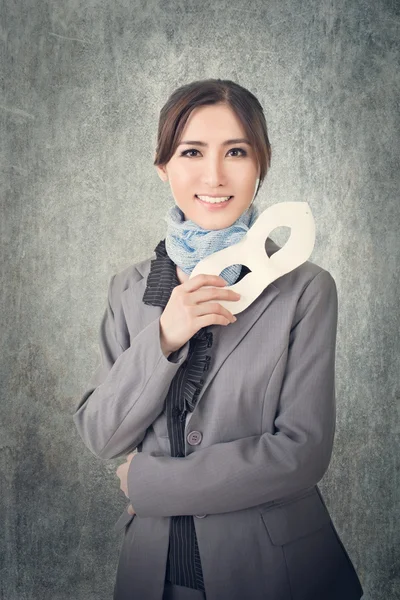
164 348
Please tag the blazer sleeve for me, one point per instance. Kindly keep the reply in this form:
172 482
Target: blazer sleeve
254 470
127 391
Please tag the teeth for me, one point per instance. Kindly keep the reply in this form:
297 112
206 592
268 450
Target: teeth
213 200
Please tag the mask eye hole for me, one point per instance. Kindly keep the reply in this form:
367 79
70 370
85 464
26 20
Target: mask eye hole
244 271
282 234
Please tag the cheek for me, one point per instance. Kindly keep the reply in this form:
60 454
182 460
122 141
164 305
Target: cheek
246 186
244 177
183 182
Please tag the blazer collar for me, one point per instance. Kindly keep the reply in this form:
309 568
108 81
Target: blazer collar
140 313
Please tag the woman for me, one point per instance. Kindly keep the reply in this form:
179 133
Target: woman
233 419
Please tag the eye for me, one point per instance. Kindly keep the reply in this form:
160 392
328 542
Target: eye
244 153
185 152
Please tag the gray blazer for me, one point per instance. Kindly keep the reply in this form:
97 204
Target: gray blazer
264 428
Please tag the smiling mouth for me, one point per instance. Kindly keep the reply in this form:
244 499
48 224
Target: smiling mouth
214 201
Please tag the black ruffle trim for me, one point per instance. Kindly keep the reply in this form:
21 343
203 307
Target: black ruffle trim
199 359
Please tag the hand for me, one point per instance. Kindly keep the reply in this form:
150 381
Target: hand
122 473
189 309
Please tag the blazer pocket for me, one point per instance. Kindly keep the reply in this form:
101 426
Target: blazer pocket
123 520
296 518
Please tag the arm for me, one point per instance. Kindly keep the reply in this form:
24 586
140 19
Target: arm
127 392
254 470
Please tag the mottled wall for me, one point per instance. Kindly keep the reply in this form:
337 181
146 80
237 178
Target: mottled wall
82 86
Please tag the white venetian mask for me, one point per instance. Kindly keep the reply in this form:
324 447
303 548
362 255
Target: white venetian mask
250 251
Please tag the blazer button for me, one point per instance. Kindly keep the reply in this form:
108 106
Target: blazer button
200 516
194 438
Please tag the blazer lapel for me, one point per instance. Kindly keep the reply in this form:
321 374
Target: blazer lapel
138 314
232 334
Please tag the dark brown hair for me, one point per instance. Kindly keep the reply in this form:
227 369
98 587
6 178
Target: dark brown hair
176 111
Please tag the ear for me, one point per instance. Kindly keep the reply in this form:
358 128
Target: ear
162 173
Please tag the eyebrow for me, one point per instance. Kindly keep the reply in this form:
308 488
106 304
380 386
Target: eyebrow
226 143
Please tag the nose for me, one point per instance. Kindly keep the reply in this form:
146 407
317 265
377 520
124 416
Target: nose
213 172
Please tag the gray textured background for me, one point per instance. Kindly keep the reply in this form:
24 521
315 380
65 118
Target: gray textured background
82 86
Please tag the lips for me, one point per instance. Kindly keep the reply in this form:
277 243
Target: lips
215 206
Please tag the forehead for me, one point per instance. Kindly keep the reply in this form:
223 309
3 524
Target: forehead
214 121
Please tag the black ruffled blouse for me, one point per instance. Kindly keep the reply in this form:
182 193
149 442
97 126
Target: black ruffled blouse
183 567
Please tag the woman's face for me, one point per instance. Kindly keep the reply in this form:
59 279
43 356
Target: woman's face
209 166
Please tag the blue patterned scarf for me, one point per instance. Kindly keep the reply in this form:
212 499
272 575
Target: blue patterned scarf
187 243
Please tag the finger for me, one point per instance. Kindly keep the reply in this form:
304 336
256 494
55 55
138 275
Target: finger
203 280
131 510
